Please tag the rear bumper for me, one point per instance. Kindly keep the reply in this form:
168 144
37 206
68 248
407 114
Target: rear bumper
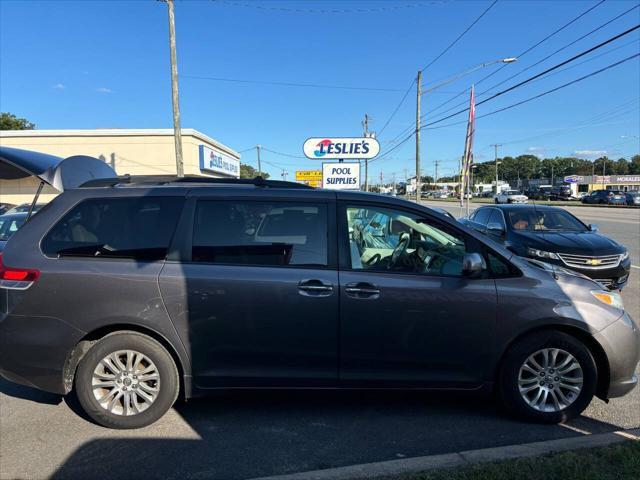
34 350
621 343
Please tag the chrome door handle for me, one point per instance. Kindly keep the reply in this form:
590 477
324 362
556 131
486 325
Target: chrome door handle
362 290
315 288
365 291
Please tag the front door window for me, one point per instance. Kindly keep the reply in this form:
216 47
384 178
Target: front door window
384 239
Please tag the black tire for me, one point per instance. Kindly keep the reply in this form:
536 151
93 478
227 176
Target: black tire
169 384
508 388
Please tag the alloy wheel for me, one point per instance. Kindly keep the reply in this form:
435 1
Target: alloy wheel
126 382
550 380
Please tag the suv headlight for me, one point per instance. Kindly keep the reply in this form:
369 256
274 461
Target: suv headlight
612 299
533 252
624 256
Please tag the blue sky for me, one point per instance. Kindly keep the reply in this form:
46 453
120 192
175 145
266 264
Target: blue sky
105 64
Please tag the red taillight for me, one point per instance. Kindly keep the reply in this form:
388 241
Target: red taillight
17 274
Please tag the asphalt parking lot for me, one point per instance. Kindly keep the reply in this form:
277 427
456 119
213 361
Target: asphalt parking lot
252 434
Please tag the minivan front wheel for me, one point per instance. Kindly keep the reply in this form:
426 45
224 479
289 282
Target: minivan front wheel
126 380
548 377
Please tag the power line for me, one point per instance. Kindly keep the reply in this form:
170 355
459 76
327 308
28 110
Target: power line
283 154
262 6
524 82
546 92
539 61
435 60
461 35
385 154
397 108
534 46
289 84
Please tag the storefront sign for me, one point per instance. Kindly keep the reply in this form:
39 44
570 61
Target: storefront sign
216 162
308 175
341 148
574 179
341 176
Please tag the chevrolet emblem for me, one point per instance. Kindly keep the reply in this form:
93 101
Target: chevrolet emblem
593 261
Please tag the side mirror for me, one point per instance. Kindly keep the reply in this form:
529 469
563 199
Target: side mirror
472 264
495 229
593 227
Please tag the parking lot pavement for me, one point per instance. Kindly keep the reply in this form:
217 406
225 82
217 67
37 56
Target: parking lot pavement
250 434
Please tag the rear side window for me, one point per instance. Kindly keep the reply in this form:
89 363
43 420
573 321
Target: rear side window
482 216
258 233
139 228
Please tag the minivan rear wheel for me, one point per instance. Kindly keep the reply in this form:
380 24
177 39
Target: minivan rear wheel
126 380
548 377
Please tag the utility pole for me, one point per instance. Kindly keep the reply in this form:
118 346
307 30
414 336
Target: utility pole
177 132
258 147
381 180
419 95
365 125
604 165
495 146
284 174
435 180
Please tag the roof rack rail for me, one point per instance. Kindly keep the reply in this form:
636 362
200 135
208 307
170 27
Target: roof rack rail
166 179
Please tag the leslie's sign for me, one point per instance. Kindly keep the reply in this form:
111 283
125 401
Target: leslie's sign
341 148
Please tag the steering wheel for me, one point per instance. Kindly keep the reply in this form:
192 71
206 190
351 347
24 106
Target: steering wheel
401 249
373 260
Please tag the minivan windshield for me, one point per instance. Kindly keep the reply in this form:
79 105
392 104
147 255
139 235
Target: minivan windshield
535 220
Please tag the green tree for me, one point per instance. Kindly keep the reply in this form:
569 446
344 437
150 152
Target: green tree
634 166
8 121
247 171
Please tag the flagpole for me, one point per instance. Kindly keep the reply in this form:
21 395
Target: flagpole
468 145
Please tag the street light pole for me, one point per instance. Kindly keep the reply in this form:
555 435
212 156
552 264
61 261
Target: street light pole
418 99
177 132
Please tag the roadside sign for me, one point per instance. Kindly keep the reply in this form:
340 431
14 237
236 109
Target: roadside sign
341 176
308 175
341 148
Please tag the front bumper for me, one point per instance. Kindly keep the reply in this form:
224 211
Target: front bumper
621 344
34 351
614 278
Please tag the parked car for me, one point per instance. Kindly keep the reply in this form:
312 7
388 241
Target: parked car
555 236
5 207
9 224
24 208
132 292
605 197
562 193
510 196
633 199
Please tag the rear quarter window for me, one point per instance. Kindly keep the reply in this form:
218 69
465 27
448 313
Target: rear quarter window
139 228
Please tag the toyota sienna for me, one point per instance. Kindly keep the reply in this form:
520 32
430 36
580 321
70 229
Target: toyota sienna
131 292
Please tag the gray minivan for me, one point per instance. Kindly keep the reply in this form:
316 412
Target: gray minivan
132 291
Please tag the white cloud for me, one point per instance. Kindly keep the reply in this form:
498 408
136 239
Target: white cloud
104 90
58 86
537 150
589 154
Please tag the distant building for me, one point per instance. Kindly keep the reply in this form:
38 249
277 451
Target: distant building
135 152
